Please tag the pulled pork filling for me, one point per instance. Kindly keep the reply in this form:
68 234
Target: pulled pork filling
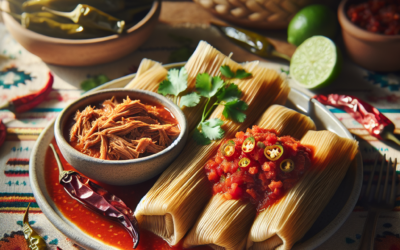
121 131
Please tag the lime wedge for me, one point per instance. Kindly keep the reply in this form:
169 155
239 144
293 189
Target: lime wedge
315 63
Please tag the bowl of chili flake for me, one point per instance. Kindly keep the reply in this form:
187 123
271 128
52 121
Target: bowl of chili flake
121 137
371 33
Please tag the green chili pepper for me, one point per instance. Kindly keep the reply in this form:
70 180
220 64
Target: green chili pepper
244 162
228 149
287 165
68 5
260 144
251 41
90 17
222 178
34 241
248 145
49 27
273 152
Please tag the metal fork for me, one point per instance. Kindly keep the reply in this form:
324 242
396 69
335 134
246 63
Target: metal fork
379 201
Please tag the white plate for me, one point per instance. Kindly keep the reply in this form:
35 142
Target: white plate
331 218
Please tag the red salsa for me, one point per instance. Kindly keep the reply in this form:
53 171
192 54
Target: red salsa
378 16
107 231
258 165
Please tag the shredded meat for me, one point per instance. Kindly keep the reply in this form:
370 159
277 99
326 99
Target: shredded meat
121 131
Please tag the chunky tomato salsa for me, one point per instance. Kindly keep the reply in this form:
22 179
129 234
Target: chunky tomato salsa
258 165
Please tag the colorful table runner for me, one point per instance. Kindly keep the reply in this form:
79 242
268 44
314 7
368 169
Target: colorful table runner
21 72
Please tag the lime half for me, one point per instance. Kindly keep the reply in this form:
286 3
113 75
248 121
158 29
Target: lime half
315 63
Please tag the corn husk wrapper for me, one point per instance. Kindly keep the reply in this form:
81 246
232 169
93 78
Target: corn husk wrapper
173 204
204 59
283 224
225 224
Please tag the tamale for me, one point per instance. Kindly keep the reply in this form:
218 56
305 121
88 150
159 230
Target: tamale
225 224
173 204
204 59
281 225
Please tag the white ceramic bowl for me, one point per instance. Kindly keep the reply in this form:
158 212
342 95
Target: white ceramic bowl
119 172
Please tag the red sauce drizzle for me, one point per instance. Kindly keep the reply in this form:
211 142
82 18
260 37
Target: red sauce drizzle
93 224
261 181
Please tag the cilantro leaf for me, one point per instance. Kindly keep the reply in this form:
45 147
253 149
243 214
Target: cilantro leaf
226 71
176 83
212 129
190 100
94 82
233 110
200 138
229 93
241 74
208 86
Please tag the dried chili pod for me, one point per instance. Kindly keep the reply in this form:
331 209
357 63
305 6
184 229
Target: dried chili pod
374 121
249 144
34 241
24 103
98 199
3 132
273 152
68 5
251 41
90 17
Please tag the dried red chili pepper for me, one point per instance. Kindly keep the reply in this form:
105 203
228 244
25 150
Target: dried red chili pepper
98 199
24 103
3 132
374 121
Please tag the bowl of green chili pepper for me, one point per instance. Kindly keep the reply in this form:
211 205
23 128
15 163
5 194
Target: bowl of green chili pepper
80 32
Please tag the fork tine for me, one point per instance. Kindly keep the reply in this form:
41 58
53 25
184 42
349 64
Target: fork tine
393 189
371 178
389 164
378 185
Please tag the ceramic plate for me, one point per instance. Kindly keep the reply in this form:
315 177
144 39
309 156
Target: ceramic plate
332 217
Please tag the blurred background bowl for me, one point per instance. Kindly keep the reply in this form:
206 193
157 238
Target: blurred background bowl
83 52
119 172
260 14
370 50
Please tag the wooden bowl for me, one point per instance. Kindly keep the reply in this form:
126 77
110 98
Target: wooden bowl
260 14
83 52
372 51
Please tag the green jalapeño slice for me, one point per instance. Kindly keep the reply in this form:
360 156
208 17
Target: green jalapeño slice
287 165
248 145
273 152
228 149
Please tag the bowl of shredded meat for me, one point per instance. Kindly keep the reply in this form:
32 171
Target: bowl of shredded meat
121 137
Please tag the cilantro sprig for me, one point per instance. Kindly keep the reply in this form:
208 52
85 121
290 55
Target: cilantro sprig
216 91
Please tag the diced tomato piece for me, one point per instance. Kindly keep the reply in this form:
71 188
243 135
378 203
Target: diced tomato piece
228 196
252 193
253 170
218 159
269 166
213 176
225 165
275 184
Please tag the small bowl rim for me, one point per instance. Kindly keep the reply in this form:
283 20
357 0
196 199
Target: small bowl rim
58 132
41 37
359 32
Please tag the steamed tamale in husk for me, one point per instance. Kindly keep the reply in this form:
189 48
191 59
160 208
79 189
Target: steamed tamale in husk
281 225
204 59
173 204
225 223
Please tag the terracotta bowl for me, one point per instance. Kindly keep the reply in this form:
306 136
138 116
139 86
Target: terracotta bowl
370 50
83 52
119 172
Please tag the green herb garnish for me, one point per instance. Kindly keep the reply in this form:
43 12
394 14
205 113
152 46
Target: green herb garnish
228 73
216 91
